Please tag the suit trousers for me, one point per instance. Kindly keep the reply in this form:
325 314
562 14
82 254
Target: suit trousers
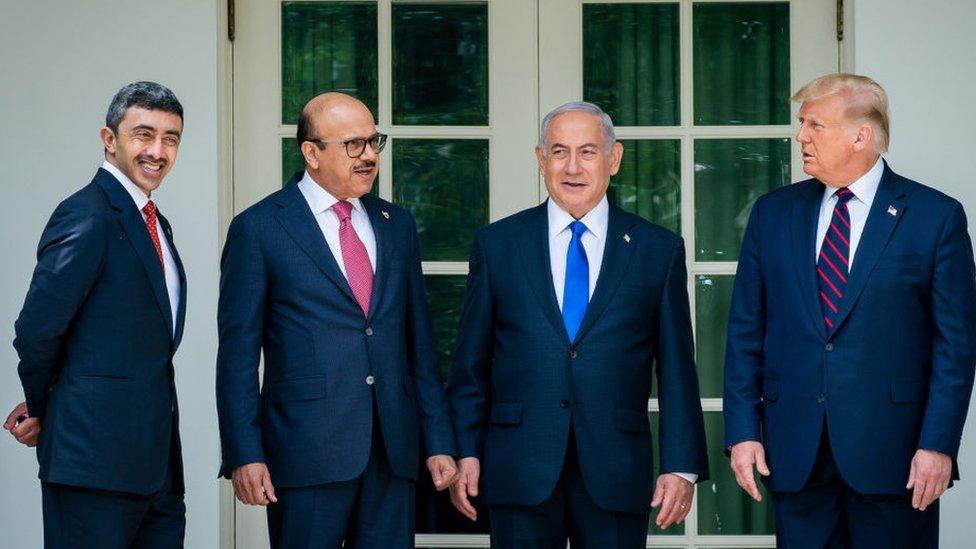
372 511
568 514
828 513
84 518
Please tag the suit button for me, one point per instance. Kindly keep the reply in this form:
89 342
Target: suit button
370 380
829 347
572 354
564 403
369 331
821 398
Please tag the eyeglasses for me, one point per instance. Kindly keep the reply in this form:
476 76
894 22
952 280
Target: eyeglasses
357 146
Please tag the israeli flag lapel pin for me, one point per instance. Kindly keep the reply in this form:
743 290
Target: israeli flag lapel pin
892 211
627 238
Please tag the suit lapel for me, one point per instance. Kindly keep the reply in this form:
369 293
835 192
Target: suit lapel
617 253
877 232
297 220
534 253
805 215
181 308
380 221
135 229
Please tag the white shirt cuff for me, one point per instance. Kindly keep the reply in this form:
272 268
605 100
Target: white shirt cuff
690 477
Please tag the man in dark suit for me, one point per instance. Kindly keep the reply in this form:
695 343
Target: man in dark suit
852 336
325 278
569 306
96 337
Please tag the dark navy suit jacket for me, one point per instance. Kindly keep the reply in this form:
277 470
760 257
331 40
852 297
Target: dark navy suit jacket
96 343
893 375
282 292
518 383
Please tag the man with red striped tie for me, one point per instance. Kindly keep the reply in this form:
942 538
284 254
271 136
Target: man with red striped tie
852 336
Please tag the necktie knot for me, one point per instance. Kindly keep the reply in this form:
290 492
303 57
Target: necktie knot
844 195
578 228
343 210
149 209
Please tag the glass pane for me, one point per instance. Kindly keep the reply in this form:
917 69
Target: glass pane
730 174
652 528
742 63
444 184
327 46
713 295
649 181
444 294
631 62
440 64
723 508
291 159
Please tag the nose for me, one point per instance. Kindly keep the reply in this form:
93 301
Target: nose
368 153
802 135
155 149
573 165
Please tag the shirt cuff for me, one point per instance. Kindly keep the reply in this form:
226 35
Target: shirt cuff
690 477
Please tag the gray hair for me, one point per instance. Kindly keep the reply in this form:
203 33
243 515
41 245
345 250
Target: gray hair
146 95
609 136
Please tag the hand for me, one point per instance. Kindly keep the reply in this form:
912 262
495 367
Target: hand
744 456
929 477
673 494
443 471
467 485
23 427
252 484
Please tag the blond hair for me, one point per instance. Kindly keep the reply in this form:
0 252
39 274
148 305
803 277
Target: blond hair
866 101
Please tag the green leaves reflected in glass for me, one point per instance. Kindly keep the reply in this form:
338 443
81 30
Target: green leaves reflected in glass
649 181
444 294
444 184
327 46
723 508
440 64
631 62
652 527
730 174
742 63
713 295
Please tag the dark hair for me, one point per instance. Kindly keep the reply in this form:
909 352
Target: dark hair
146 95
304 132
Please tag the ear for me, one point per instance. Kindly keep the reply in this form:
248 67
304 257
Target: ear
308 153
109 139
616 156
864 138
541 159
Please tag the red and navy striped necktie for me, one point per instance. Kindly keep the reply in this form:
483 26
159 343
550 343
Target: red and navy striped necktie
833 263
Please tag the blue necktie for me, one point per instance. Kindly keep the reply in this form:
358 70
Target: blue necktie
833 261
576 291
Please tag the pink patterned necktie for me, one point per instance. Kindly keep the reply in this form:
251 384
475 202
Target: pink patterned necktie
150 210
359 271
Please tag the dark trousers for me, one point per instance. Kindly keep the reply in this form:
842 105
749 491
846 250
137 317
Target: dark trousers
827 513
375 510
102 519
568 514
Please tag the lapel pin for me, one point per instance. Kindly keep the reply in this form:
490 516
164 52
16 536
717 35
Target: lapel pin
627 238
892 211
386 214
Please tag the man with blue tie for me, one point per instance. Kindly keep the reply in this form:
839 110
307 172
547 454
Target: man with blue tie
852 336
326 280
96 337
571 309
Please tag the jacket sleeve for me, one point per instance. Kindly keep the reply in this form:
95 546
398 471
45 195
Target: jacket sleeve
744 348
681 431
468 388
69 259
954 338
435 419
240 325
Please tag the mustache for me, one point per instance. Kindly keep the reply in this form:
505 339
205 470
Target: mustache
365 164
147 158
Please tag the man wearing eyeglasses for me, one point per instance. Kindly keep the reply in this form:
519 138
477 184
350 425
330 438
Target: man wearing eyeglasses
325 279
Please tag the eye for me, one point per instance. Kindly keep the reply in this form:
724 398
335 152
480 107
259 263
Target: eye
558 153
588 154
171 141
142 135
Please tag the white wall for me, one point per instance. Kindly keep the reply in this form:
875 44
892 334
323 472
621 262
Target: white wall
61 63
923 54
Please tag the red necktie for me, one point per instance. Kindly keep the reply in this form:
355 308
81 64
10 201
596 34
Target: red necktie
150 210
359 271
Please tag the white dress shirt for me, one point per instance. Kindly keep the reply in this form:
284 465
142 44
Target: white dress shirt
864 189
171 271
594 241
320 201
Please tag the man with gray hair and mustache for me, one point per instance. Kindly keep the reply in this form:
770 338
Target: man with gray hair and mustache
96 337
572 309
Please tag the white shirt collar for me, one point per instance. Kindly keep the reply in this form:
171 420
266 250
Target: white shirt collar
864 187
135 192
319 199
596 220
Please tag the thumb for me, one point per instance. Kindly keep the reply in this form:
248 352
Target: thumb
473 484
658 495
911 476
435 473
269 488
761 463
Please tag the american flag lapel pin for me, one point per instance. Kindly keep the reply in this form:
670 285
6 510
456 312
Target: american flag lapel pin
627 238
892 211
386 214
